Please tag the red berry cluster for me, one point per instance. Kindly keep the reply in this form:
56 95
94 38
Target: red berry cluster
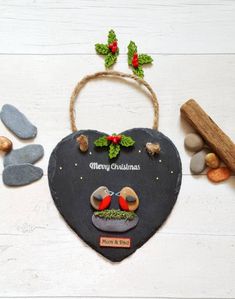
113 47
114 138
135 60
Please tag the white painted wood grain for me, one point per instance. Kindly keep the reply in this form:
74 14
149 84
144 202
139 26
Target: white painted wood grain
192 255
162 26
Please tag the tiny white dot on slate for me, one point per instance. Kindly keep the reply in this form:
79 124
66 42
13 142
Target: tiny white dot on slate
139 151
61 167
76 164
157 178
81 177
160 161
172 171
90 153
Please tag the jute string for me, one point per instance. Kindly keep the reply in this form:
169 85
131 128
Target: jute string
88 78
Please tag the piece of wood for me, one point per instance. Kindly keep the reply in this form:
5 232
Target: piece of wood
220 143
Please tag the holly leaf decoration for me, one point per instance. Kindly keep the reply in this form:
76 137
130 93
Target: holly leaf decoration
132 49
110 59
109 50
114 142
145 59
127 141
102 49
114 150
102 141
139 71
111 37
136 61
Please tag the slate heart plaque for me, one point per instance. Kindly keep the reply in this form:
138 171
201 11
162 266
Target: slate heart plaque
73 176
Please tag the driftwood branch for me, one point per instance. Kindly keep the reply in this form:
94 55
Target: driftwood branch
219 142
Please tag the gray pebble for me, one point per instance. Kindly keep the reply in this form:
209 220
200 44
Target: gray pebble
197 163
193 142
27 154
17 122
22 174
114 225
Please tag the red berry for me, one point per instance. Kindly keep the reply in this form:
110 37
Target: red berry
109 138
135 63
115 140
110 46
114 49
115 43
135 60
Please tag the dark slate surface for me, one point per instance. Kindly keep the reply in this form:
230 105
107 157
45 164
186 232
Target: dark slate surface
71 194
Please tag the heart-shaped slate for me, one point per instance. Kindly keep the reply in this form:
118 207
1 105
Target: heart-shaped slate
74 175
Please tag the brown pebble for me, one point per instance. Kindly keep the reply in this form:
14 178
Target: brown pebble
212 160
219 174
5 144
82 140
153 148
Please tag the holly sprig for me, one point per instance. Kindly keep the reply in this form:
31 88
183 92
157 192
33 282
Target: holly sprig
114 143
136 61
109 50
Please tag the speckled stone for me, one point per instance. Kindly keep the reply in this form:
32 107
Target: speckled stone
197 163
212 160
193 142
22 174
27 154
114 225
17 122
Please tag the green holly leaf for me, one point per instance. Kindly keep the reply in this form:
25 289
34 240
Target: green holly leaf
102 141
114 150
132 49
139 71
101 49
110 59
145 59
111 37
127 141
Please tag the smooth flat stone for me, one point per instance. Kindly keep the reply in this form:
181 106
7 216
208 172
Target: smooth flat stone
17 122
22 174
114 225
193 142
198 163
27 154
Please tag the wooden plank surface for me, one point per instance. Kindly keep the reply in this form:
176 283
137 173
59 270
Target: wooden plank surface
46 47
162 26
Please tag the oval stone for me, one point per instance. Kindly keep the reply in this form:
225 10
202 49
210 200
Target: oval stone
197 163
17 122
114 225
193 142
22 174
28 154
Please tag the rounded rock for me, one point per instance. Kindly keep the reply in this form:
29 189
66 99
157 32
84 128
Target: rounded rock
212 160
193 142
219 174
28 154
5 144
21 174
197 163
17 122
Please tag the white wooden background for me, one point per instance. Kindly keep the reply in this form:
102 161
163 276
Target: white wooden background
45 48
